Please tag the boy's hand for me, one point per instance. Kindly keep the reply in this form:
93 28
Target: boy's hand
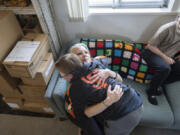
113 95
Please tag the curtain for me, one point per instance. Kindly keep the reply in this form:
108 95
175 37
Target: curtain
77 10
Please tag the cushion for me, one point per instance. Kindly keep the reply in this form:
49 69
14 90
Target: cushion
173 95
125 58
159 116
58 95
49 92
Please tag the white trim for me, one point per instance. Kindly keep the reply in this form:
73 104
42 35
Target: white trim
135 10
130 11
29 10
77 10
42 8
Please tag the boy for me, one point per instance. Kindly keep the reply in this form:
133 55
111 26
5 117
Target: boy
87 99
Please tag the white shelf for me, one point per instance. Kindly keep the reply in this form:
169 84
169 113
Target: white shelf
20 10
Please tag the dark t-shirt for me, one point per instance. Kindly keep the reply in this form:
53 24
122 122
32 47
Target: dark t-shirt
82 93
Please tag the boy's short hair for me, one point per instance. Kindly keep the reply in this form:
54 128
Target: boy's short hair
76 46
68 63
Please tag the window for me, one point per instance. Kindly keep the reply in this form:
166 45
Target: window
128 3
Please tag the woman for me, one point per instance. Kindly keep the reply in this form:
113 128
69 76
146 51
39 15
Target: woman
116 126
82 52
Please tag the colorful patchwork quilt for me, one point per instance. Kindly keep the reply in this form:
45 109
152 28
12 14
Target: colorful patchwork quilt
124 58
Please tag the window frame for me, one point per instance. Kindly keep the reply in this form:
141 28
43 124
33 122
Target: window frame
118 4
142 11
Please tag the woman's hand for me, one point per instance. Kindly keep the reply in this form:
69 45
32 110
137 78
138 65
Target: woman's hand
100 76
113 95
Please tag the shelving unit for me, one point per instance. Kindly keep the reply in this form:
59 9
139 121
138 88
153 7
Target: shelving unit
42 9
20 10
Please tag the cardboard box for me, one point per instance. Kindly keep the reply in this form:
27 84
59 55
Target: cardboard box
11 94
36 29
43 74
16 3
10 33
33 92
14 103
24 59
35 100
1 2
9 85
37 107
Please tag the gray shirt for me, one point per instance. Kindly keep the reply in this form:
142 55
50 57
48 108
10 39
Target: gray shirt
167 39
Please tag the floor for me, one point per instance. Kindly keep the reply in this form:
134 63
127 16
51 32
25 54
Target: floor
27 125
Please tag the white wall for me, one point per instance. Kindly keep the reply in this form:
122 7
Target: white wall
135 27
176 6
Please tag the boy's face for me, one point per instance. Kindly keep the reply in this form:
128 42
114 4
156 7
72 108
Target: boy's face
66 77
82 53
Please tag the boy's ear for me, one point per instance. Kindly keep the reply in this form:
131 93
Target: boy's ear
68 77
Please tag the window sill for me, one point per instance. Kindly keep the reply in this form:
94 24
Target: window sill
131 11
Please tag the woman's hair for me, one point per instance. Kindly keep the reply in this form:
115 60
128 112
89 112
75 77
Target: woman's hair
68 63
77 45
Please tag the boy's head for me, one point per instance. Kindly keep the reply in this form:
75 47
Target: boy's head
67 64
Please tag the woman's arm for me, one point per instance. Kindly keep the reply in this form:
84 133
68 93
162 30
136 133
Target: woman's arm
112 97
115 75
102 74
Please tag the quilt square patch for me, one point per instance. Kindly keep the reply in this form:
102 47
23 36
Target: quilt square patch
92 40
109 52
117 53
140 75
85 42
110 60
130 77
149 77
128 47
124 69
127 54
115 68
100 44
125 62
116 61
143 68
134 65
108 44
136 57
132 72
118 45
92 44
139 80
100 52
92 52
